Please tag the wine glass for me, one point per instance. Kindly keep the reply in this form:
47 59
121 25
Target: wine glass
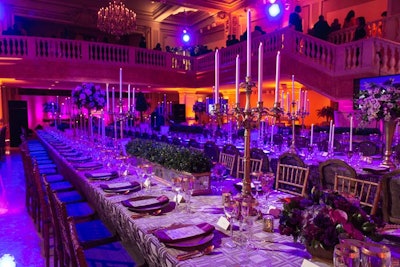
231 210
267 184
188 187
176 187
257 182
250 214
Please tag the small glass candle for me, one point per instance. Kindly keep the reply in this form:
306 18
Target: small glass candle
268 223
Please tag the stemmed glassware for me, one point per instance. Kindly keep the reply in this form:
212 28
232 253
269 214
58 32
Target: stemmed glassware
250 215
267 184
176 187
231 210
188 187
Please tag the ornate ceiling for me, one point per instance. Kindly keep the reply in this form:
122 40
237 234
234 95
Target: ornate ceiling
172 12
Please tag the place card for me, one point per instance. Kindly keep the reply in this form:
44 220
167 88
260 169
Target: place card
223 223
144 202
119 185
324 154
178 198
307 263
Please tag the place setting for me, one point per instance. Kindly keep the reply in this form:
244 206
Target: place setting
88 166
80 159
101 175
147 205
195 240
121 188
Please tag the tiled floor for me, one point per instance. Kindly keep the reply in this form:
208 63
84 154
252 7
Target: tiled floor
18 237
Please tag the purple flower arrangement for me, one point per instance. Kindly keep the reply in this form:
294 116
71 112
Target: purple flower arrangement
89 96
199 107
320 220
379 102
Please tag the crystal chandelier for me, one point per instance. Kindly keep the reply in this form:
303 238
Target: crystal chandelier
116 19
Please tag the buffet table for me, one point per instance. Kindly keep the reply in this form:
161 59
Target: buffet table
271 249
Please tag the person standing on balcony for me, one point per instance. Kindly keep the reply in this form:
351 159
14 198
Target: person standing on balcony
321 29
360 32
349 20
295 20
335 26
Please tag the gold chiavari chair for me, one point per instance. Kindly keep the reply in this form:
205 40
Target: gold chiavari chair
292 179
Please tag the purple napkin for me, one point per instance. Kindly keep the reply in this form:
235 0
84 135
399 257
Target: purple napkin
167 236
158 201
120 186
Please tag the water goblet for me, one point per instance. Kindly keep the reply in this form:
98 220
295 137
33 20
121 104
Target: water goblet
231 210
176 187
250 214
188 187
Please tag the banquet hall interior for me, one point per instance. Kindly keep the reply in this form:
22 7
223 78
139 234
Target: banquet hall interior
89 89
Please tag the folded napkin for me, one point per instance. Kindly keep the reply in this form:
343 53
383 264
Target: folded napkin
71 154
145 202
88 166
79 159
120 186
101 175
179 233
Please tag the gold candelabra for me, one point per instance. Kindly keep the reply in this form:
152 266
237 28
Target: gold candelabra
245 117
293 116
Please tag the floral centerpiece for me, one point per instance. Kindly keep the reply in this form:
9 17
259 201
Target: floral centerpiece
89 96
379 102
318 222
51 106
199 107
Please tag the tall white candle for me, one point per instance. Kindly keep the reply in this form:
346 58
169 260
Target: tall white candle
293 88
351 134
113 100
260 71
312 134
216 87
330 132
133 99
282 99
103 125
305 101
107 99
277 75
237 78
333 136
129 97
288 102
248 73
120 84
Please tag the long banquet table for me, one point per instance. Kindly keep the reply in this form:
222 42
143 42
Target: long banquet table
272 249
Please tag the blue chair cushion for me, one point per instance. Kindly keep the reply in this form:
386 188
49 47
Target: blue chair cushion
53 178
61 186
79 210
92 231
70 197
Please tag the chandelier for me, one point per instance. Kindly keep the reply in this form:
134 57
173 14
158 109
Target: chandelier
116 19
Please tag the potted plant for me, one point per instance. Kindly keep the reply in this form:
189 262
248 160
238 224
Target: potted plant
326 112
174 161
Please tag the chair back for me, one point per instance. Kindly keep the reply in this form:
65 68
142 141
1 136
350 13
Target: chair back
391 193
292 179
366 191
78 255
230 149
329 168
256 153
211 150
291 159
194 143
228 160
255 166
